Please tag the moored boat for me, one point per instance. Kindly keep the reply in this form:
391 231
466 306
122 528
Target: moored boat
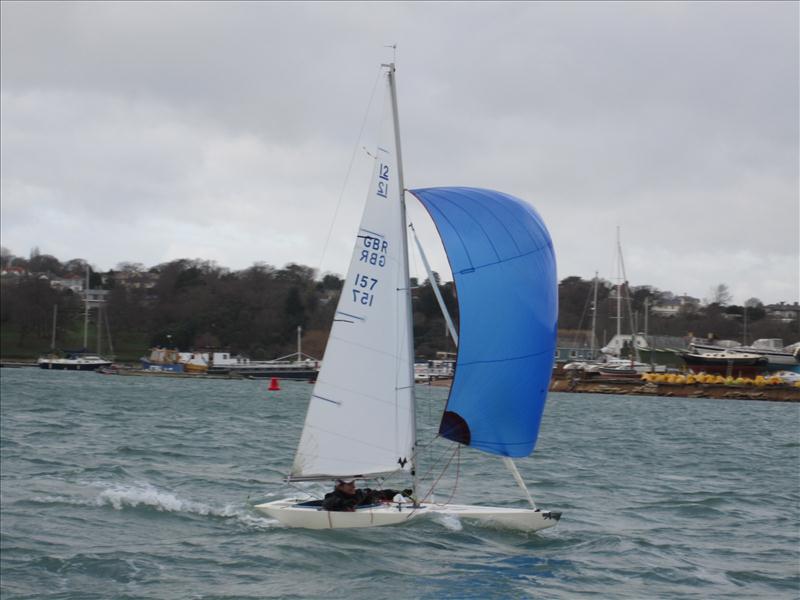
778 357
283 369
162 359
735 364
74 361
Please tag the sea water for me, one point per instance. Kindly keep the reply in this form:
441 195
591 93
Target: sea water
140 487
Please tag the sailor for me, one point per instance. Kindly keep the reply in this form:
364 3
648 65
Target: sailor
346 497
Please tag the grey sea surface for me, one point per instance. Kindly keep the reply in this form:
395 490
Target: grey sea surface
137 487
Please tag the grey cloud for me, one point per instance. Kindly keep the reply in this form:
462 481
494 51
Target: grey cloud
227 129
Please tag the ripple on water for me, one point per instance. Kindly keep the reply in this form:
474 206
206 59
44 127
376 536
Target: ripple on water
144 488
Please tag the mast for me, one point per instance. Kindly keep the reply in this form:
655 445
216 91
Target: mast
55 316
647 338
98 328
744 318
594 313
405 274
86 311
108 332
619 292
634 328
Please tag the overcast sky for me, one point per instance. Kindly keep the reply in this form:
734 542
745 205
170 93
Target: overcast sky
147 132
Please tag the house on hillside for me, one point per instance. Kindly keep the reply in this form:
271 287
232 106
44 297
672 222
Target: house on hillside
68 282
786 313
133 279
672 306
14 272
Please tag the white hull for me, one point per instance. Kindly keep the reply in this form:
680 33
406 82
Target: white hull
519 519
291 513
86 363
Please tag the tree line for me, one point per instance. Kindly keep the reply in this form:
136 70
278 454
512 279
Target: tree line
717 317
193 304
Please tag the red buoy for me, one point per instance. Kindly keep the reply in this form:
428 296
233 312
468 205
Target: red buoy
274 386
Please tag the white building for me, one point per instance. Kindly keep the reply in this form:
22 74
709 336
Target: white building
70 282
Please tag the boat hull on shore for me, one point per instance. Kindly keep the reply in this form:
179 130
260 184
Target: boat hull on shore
88 363
776 359
266 372
725 363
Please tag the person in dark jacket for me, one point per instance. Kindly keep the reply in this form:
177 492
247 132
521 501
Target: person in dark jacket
346 497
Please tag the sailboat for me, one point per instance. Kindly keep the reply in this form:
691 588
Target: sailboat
76 360
361 421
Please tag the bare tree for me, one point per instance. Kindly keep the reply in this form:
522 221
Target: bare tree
131 267
720 295
6 256
753 303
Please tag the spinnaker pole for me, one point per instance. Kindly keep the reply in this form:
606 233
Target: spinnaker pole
450 327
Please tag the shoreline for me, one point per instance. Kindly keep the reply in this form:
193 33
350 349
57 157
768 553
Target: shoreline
639 387
621 387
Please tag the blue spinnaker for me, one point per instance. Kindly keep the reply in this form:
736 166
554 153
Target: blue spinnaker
504 268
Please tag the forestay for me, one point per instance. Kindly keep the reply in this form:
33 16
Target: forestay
503 264
359 420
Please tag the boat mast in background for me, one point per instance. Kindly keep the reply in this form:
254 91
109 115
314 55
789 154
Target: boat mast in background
55 317
619 287
594 317
622 282
86 311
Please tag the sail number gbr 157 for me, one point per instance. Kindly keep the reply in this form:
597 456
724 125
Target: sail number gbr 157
373 254
362 293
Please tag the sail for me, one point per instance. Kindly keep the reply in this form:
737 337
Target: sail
504 269
359 419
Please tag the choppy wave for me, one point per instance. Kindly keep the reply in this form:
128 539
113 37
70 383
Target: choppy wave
146 489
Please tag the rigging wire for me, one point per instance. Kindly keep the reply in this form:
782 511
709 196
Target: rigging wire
434 464
349 169
456 452
585 310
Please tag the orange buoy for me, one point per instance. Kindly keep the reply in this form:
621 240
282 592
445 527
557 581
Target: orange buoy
274 386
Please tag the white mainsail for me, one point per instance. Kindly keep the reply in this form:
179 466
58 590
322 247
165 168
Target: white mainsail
360 416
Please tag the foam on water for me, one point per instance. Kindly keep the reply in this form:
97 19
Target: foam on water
450 522
144 494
